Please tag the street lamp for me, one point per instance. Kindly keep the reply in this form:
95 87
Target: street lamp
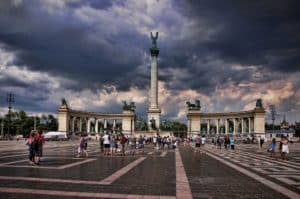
10 99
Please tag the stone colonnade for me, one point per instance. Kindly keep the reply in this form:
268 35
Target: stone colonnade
232 123
72 121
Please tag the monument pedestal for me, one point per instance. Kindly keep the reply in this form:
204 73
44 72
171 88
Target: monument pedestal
154 115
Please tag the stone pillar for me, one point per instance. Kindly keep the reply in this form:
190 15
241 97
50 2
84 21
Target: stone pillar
259 121
88 125
114 124
208 126
80 124
226 126
242 124
96 125
63 118
249 125
217 126
105 124
73 124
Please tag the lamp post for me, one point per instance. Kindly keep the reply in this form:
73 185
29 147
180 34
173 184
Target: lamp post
10 99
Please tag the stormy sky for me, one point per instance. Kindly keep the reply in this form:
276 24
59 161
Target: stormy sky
96 54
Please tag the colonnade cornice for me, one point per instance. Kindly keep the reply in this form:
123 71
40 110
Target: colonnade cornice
118 116
227 115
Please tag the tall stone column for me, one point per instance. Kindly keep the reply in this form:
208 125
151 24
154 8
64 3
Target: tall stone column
154 111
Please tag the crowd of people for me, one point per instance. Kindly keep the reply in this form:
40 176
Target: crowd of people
112 144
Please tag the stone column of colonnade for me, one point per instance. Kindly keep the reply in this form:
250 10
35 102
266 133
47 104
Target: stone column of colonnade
242 125
73 124
249 125
88 125
208 126
217 126
96 125
226 126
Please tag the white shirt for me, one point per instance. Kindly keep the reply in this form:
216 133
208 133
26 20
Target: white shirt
106 139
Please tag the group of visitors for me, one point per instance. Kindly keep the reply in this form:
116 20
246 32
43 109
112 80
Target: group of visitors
226 141
35 144
283 148
112 144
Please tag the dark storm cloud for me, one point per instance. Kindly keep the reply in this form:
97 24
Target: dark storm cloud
61 46
260 38
253 32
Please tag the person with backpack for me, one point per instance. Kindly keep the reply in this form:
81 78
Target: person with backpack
38 143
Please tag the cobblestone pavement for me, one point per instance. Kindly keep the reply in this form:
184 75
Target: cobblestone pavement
149 173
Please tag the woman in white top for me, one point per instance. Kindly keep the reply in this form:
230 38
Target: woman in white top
284 148
106 142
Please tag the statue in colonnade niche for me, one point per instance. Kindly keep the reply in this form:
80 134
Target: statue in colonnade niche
195 106
128 107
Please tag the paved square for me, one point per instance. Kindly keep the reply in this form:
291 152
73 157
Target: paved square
149 174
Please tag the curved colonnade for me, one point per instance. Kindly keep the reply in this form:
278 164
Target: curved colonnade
73 121
231 123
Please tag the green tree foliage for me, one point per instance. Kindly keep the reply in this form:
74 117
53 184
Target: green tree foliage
167 125
22 124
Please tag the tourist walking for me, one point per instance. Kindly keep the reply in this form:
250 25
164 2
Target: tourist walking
272 148
219 142
285 148
203 140
106 142
226 142
38 147
231 142
261 142
197 143
113 145
123 140
29 143
101 144
82 148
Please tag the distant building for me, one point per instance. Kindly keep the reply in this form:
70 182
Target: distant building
285 130
284 125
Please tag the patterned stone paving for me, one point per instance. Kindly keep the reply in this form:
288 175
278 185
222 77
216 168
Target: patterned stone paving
149 173
285 173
